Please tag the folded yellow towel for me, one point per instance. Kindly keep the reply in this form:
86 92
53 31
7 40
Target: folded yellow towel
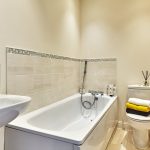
138 108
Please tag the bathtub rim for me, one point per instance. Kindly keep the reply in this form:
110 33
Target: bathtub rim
21 123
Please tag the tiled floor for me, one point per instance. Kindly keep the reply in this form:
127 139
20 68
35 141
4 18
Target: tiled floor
122 140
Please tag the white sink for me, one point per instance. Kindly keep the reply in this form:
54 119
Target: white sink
11 106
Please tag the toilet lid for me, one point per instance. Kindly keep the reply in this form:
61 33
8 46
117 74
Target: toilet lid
138 117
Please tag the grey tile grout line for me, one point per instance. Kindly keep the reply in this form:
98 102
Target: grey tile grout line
51 56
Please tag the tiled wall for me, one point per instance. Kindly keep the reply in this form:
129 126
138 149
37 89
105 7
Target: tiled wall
100 73
0 76
48 78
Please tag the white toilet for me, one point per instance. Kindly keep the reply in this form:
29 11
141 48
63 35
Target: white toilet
140 124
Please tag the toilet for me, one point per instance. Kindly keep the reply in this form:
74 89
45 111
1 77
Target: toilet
140 124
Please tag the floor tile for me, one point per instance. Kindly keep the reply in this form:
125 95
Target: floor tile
122 140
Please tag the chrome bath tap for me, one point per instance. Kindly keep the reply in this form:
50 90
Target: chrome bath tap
93 92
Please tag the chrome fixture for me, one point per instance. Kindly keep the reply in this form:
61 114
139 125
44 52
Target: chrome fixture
93 92
87 104
82 90
84 74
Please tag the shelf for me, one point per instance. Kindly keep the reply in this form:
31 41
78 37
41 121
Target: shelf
139 87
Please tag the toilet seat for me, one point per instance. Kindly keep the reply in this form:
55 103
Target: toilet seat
138 118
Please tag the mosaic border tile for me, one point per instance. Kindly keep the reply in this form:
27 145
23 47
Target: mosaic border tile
51 56
33 53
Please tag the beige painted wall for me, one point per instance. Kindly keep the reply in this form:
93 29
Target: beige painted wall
40 25
47 25
118 29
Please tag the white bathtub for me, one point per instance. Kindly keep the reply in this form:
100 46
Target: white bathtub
64 127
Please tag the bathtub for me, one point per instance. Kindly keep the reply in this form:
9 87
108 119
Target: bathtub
64 125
